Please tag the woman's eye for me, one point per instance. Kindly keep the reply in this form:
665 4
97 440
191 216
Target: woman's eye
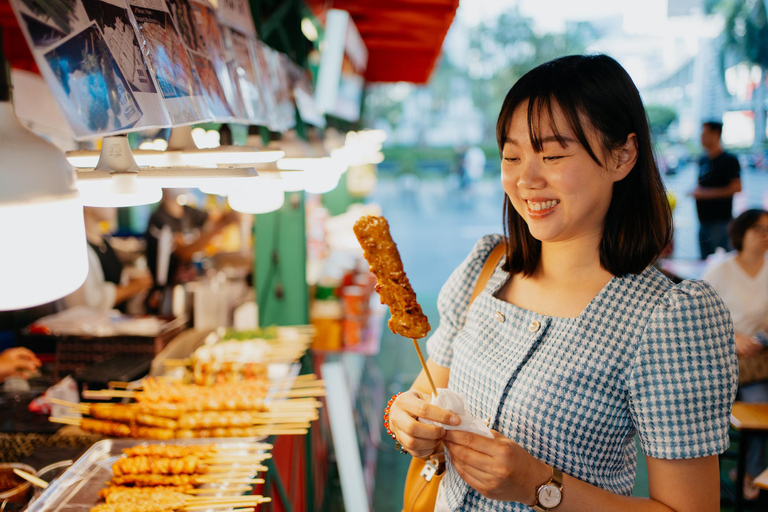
511 159
552 158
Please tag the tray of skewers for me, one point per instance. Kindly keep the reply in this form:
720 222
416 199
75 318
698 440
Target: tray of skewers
126 475
163 410
235 356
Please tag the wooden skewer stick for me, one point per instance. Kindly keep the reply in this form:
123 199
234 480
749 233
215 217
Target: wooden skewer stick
73 405
206 507
65 421
424 365
108 393
118 384
214 490
230 469
223 499
237 459
31 478
301 392
225 479
283 432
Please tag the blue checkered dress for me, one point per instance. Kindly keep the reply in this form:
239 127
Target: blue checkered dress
645 357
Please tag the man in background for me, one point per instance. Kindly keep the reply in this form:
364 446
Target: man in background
719 180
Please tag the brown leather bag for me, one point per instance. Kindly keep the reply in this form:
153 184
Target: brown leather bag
423 479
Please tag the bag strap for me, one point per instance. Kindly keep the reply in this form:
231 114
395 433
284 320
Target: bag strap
487 271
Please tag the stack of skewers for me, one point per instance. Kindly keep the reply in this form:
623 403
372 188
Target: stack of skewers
171 410
163 478
246 355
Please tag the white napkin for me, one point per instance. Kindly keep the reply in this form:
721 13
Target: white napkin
456 403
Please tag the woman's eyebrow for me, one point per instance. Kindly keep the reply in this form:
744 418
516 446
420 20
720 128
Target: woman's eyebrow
560 140
545 140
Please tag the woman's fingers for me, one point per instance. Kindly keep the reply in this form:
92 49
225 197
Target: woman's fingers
417 405
415 446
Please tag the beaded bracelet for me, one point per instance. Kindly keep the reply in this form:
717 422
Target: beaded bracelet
391 434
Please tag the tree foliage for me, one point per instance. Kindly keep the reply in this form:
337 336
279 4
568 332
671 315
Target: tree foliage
660 117
746 29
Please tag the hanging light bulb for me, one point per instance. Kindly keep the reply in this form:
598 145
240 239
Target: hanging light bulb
263 197
115 180
41 218
118 180
183 151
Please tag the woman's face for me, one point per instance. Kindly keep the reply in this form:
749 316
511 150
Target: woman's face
561 193
756 237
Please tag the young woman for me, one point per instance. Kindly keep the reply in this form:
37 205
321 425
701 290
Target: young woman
742 282
577 344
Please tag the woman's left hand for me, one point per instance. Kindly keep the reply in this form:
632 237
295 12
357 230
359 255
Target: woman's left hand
497 468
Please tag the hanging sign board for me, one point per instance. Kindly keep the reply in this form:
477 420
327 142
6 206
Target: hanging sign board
343 61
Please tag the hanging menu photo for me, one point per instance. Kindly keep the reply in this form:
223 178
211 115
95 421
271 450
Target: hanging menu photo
89 55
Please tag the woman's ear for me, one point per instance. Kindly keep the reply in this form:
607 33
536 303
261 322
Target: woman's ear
626 157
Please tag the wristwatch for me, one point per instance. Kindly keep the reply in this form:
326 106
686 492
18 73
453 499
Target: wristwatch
550 493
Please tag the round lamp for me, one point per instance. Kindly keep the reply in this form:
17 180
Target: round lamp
44 254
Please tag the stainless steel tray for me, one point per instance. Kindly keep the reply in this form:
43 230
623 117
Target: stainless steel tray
78 488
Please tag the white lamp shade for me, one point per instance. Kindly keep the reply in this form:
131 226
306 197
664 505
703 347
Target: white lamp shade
118 190
293 181
46 254
266 197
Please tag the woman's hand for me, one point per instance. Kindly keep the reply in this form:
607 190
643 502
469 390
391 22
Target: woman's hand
746 346
418 439
497 468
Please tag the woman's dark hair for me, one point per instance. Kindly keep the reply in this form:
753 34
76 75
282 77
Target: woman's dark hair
593 91
739 226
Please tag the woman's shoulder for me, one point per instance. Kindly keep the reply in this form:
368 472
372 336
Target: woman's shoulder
484 246
655 289
691 295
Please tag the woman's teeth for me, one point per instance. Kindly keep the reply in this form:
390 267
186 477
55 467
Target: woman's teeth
537 207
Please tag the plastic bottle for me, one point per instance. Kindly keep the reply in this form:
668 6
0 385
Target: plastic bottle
326 314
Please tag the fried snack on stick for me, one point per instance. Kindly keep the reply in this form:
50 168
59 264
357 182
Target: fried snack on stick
380 251
112 493
153 480
143 464
139 432
393 286
171 450
105 428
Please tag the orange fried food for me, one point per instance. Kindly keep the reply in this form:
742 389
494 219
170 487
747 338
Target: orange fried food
393 286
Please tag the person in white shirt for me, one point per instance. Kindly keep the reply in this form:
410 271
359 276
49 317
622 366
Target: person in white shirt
742 283
105 287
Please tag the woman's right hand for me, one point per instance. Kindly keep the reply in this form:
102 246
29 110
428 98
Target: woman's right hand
746 346
417 438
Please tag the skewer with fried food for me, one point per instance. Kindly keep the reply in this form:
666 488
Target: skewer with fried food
393 286
178 450
152 480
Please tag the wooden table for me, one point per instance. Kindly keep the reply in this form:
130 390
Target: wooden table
748 419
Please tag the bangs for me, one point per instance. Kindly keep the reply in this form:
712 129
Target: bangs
543 98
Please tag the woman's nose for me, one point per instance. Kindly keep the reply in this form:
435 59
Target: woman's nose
530 175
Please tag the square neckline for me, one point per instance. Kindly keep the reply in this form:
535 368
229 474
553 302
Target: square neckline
504 277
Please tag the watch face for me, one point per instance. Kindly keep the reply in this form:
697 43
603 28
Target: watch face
550 496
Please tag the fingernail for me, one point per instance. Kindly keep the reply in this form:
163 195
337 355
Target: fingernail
455 420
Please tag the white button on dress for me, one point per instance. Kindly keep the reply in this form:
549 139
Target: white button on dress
534 326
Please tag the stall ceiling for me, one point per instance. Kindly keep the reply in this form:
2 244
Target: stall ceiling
403 37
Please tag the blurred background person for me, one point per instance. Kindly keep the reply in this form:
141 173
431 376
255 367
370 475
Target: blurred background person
175 234
719 180
18 362
107 285
742 283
